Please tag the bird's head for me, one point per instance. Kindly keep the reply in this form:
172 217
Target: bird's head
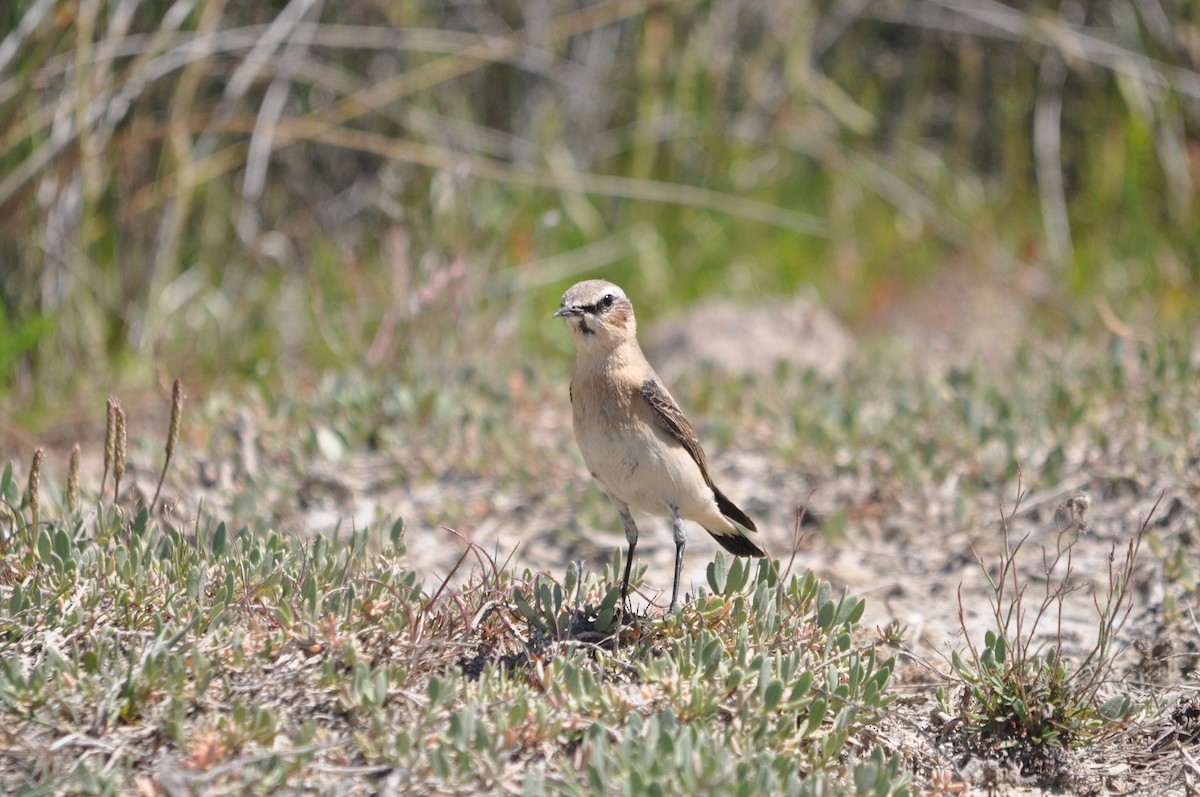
598 314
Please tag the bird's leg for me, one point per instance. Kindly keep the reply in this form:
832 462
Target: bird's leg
680 542
631 536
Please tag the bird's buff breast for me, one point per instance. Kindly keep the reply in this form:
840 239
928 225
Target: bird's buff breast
636 465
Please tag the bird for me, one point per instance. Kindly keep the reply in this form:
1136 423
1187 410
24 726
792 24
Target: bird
635 440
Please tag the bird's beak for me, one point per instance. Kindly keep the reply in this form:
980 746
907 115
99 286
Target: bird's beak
568 311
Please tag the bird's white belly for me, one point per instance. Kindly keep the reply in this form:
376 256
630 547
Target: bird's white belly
635 466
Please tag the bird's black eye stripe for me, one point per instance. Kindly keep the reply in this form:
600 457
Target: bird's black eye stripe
605 303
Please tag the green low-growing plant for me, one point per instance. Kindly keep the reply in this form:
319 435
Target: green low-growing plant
257 656
1021 696
758 684
251 659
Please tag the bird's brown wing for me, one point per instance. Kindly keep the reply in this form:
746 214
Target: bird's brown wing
671 418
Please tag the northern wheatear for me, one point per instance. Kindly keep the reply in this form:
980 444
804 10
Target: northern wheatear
633 436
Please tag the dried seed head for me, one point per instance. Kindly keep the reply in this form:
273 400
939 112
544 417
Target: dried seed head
35 483
73 479
172 437
1079 507
176 414
1072 513
110 433
119 453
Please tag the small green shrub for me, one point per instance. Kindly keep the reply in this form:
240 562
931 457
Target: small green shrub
1021 696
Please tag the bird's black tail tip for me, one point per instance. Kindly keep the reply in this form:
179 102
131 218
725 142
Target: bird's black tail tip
730 510
737 544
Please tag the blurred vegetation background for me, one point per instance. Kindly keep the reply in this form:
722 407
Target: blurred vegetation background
258 192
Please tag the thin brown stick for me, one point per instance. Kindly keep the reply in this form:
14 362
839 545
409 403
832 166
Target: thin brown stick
797 535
